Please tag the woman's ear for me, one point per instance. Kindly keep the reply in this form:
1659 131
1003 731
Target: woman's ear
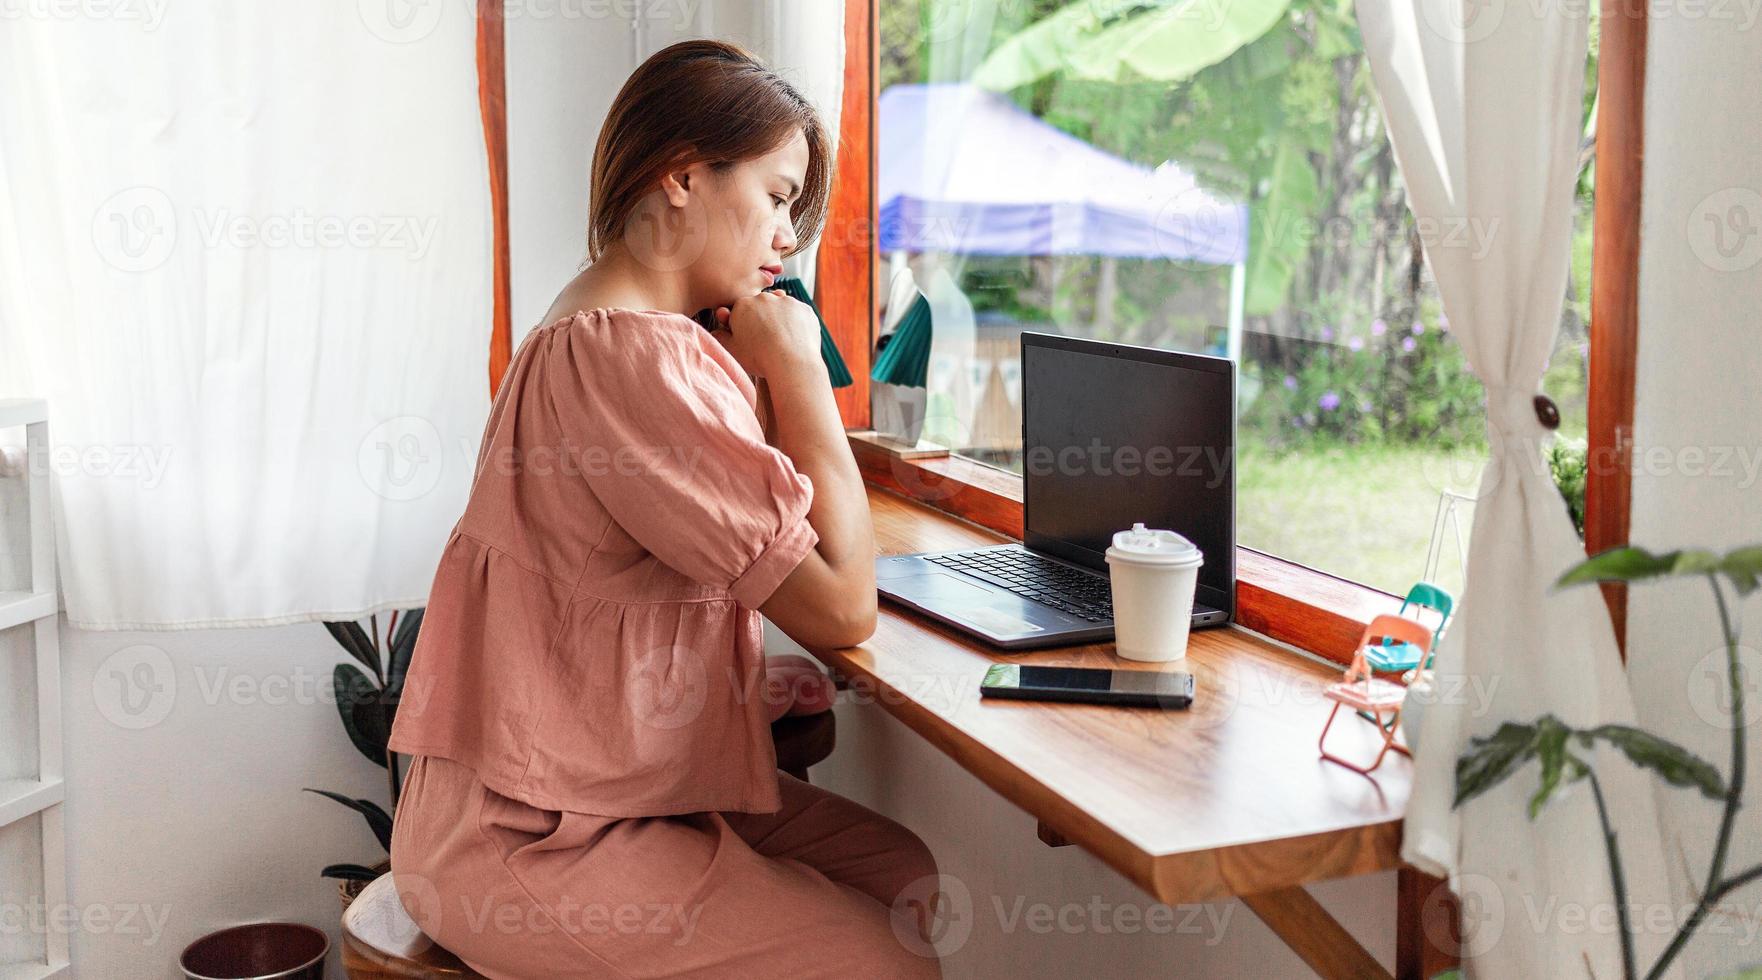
676 186
676 183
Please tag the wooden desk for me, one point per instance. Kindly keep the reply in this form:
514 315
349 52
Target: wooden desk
1226 799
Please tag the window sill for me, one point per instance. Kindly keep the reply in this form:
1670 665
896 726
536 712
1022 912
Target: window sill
1309 609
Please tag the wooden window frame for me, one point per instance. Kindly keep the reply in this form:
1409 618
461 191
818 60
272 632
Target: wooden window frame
1293 603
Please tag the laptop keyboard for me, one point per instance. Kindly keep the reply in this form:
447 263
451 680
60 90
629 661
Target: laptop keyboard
1030 576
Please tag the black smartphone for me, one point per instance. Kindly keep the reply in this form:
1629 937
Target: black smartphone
1096 685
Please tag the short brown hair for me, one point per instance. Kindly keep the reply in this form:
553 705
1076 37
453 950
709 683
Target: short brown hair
701 101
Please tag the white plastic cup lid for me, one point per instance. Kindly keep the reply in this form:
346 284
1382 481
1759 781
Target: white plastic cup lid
1154 545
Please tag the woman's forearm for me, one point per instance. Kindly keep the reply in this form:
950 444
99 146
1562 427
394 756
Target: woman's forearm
810 432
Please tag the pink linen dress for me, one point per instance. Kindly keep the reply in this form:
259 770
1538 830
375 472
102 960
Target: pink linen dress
584 701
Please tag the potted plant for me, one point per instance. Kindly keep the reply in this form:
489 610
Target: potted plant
367 701
1491 759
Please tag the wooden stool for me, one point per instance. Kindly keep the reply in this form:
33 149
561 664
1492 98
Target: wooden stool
382 942
803 741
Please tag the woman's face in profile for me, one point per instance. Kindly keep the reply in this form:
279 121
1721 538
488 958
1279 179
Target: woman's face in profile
728 228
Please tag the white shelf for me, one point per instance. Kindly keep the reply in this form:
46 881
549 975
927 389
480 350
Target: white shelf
20 608
31 971
36 603
22 411
20 798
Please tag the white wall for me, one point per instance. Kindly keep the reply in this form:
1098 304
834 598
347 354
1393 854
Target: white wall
1698 427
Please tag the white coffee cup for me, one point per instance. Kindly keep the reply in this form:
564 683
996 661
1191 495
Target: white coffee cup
1154 574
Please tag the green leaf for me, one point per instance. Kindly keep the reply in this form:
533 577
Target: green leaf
1336 35
355 640
1043 47
1744 567
352 689
403 646
1277 242
1550 746
349 872
1630 564
1677 765
373 720
377 819
1174 42
1491 758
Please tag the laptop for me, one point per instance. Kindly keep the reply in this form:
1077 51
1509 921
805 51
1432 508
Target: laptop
1112 434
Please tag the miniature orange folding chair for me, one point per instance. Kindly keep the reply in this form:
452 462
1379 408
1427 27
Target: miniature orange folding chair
1362 691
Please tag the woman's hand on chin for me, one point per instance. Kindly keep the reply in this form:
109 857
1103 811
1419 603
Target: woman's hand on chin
795 685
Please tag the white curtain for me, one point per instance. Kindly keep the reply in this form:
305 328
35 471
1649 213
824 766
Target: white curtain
1483 105
245 255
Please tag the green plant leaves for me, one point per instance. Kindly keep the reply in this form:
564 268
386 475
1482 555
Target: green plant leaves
353 692
1175 41
348 872
1491 758
1278 243
1550 749
377 819
402 647
1161 40
1040 49
1677 765
1743 566
355 640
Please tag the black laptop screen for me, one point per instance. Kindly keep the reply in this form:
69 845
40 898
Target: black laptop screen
1114 434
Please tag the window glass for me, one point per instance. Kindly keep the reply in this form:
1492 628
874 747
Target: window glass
1149 173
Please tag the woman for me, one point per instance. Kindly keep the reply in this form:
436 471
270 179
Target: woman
594 791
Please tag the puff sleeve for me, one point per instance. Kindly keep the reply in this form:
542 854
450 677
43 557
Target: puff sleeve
672 449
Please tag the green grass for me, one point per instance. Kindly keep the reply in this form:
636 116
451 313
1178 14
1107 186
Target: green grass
1360 512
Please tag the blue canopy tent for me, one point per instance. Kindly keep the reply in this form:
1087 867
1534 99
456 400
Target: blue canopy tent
964 170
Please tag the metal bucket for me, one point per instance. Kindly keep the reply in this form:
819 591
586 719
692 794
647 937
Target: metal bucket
258 951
